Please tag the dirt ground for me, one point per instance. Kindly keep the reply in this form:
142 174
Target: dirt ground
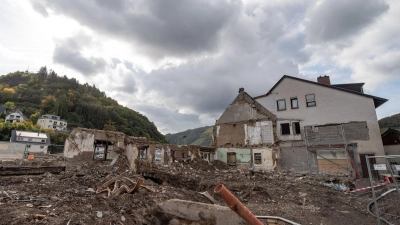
70 198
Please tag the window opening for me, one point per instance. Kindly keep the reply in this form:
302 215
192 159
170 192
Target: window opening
296 127
294 103
285 128
281 104
310 99
257 159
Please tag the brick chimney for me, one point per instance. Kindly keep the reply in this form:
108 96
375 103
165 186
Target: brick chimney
324 80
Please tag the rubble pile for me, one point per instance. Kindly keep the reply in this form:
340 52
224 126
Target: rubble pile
71 198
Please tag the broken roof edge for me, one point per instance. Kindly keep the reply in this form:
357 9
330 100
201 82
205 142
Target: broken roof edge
377 100
390 130
250 100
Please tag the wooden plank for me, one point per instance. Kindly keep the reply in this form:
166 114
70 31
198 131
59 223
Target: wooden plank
327 166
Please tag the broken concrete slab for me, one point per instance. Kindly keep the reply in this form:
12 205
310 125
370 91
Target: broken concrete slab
195 211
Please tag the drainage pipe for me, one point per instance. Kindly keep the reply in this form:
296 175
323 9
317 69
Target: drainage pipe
234 204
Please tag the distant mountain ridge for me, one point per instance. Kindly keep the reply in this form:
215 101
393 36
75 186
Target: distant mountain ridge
389 122
201 136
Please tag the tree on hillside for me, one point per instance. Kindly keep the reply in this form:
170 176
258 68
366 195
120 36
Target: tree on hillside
49 104
9 105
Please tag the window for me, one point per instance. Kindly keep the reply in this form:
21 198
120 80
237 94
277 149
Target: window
43 141
143 153
294 103
285 128
19 139
29 139
281 104
296 127
257 159
28 146
310 99
41 147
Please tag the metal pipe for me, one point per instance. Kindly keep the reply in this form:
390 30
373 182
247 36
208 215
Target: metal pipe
234 204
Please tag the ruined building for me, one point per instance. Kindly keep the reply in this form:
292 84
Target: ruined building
301 125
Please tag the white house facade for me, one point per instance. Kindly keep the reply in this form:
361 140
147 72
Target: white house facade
52 122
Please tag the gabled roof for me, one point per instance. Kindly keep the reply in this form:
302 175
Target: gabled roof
377 100
390 130
260 108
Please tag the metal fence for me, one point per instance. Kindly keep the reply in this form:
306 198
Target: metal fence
55 149
386 200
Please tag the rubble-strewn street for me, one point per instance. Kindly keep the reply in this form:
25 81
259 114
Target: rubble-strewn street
70 197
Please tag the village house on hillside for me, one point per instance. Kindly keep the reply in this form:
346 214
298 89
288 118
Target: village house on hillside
314 126
15 116
52 122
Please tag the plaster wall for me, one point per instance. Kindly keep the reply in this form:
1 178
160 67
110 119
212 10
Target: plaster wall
81 141
240 111
332 106
392 149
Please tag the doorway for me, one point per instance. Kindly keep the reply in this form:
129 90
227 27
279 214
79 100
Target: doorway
364 166
231 158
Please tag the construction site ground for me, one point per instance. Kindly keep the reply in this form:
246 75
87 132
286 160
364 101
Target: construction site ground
70 198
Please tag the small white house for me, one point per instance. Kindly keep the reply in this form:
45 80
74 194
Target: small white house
34 142
15 116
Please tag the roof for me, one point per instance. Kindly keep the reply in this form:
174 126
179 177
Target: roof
377 100
390 130
15 134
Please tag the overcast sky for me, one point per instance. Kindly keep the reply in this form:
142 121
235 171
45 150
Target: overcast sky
181 62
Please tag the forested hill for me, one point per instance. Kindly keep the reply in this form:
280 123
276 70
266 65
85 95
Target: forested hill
389 122
81 105
200 136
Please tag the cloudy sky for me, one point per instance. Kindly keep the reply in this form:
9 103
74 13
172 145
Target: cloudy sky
181 62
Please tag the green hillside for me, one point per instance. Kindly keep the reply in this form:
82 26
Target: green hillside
389 122
200 136
81 105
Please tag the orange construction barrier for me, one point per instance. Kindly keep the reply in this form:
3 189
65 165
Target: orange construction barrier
234 204
31 157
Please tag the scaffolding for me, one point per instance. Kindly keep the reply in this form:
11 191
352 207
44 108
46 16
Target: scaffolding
340 143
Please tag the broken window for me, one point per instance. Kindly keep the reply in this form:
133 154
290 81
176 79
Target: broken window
281 103
257 159
142 153
310 99
294 103
285 128
296 127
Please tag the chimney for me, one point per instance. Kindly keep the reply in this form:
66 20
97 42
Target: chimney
241 97
324 80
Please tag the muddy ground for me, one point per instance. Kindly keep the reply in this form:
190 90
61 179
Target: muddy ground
69 197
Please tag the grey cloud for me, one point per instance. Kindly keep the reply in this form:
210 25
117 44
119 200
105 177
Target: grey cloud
68 52
334 20
40 8
158 27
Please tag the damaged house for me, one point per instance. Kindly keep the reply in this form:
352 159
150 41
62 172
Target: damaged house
245 134
313 126
89 144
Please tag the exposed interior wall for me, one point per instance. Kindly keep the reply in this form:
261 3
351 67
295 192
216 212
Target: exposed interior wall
268 159
296 159
245 134
333 161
